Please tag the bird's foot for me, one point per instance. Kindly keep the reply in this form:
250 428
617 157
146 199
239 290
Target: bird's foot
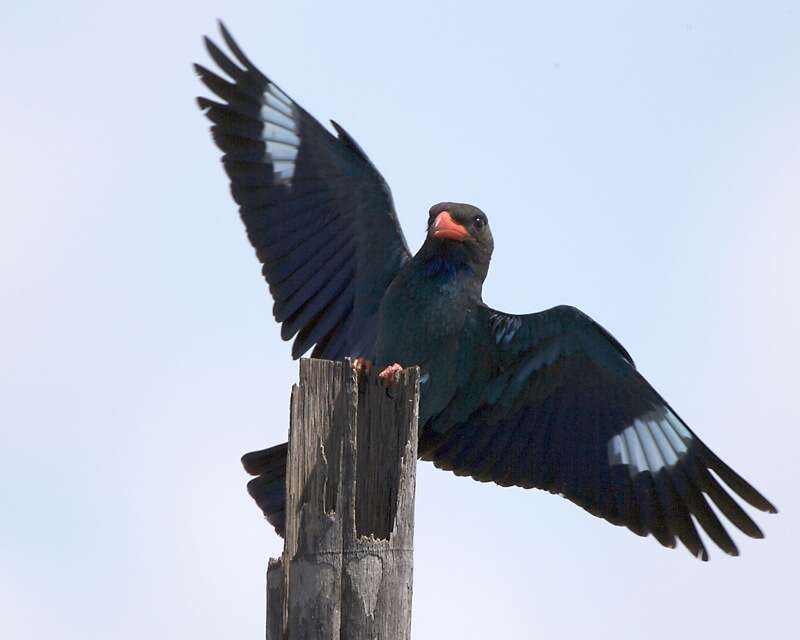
390 374
362 366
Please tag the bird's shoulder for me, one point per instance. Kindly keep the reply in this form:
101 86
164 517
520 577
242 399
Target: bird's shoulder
561 330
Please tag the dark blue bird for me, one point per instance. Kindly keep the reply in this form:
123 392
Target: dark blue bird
548 400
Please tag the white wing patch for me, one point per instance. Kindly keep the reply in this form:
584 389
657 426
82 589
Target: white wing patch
653 441
280 132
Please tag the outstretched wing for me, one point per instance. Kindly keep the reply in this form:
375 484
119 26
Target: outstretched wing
563 408
317 212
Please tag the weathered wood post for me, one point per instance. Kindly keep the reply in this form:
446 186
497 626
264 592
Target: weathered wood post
346 569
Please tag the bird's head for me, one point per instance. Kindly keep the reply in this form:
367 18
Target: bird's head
461 232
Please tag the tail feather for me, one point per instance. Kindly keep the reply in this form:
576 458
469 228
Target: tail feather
268 489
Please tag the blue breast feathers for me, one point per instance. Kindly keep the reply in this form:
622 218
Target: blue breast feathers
445 267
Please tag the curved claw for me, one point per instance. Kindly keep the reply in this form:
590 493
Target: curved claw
390 374
362 366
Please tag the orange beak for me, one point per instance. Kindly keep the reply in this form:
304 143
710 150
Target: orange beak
445 228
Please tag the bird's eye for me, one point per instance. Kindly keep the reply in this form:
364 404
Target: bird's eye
479 222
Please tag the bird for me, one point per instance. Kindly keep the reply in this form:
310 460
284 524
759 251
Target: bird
548 400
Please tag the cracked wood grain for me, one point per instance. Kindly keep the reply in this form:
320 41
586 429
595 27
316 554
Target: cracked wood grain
346 570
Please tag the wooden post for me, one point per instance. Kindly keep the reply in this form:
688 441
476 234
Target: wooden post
346 570
275 599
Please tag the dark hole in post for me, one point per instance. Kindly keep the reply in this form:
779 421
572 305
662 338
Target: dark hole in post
382 431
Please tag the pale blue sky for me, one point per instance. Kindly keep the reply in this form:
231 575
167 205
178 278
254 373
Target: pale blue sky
640 163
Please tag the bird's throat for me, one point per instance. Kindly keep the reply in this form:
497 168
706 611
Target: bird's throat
447 267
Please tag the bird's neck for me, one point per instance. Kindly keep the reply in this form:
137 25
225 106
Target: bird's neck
451 271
